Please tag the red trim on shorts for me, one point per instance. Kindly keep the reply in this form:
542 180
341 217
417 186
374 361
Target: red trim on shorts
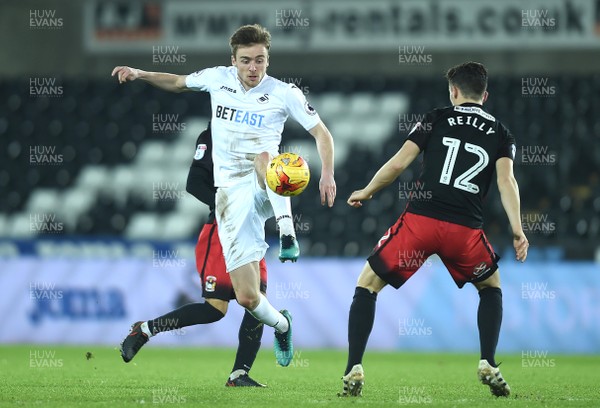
210 262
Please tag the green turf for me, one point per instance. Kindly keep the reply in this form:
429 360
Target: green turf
196 377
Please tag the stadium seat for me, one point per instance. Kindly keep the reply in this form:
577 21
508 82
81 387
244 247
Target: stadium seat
152 154
123 178
21 225
43 200
364 104
332 105
94 177
144 226
178 226
393 104
4 232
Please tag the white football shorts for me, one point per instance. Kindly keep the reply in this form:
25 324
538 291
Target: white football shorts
241 212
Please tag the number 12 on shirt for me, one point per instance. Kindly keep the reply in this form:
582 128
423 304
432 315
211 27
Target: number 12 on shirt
463 181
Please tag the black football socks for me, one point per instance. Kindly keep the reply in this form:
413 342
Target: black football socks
360 324
188 315
489 319
251 331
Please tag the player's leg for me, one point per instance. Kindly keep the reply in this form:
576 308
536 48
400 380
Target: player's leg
397 256
360 324
191 314
242 235
362 315
282 208
217 290
187 315
470 258
489 316
245 280
250 335
211 268
489 321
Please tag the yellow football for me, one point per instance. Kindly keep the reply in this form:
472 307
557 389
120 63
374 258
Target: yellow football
288 174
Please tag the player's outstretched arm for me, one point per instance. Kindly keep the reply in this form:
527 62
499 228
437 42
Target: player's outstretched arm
509 194
325 148
162 80
387 173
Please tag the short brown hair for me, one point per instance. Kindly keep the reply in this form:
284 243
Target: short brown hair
249 35
470 78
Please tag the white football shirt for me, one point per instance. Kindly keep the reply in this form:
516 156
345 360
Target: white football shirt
246 123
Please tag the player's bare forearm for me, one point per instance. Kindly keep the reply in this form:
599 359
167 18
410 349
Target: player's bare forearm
393 168
509 195
162 80
387 173
165 81
324 142
511 201
383 178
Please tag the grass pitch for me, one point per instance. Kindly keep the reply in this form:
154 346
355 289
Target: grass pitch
60 376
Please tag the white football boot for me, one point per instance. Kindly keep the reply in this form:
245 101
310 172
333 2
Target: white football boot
491 376
353 382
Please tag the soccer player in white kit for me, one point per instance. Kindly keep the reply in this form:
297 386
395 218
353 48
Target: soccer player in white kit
249 109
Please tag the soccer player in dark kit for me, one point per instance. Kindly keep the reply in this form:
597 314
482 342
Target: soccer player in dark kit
216 284
461 145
